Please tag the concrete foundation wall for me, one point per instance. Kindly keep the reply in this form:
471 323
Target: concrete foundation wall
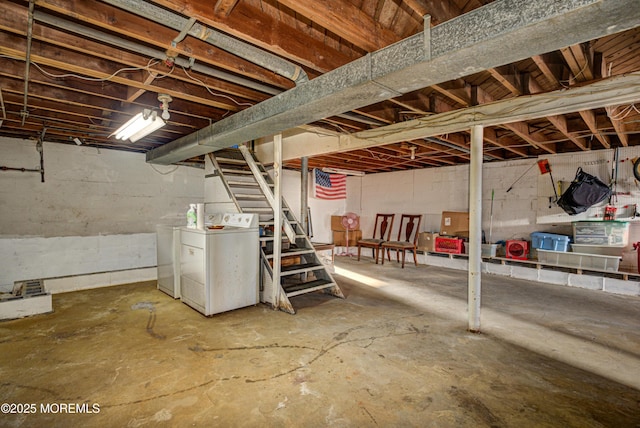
517 189
96 211
431 191
321 210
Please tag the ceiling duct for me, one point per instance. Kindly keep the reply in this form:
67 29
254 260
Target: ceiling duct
456 48
25 112
237 47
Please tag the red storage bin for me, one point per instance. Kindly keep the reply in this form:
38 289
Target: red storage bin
517 250
449 245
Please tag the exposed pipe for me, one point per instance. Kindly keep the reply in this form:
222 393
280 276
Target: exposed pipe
475 227
24 113
8 168
40 149
471 43
147 51
237 47
154 53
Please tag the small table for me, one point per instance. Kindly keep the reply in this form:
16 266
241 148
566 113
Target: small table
319 246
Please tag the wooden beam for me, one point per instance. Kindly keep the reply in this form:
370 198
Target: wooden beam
100 69
463 100
536 140
466 101
589 117
345 20
510 81
616 90
584 57
560 122
618 124
440 11
579 61
144 30
491 136
254 26
134 94
224 7
546 70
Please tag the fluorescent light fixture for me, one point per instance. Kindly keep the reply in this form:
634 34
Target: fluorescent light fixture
140 125
343 171
78 141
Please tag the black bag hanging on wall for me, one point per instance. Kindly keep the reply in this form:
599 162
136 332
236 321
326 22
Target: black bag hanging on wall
585 190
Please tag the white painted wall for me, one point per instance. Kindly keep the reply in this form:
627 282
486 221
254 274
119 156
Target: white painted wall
433 190
429 192
95 212
321 210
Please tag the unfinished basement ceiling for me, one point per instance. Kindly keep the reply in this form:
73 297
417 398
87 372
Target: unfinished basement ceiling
79 69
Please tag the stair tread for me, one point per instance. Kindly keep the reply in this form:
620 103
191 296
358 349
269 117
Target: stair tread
256 210
310 286
245 184
270 238
291 252
250 196
247 190
260 209
300 268
238 172
230 161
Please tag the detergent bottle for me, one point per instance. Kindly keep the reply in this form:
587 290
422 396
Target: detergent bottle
191 216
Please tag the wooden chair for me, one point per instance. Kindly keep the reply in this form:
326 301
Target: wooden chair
384 224
411 224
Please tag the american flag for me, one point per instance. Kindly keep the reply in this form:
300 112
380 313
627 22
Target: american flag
329 186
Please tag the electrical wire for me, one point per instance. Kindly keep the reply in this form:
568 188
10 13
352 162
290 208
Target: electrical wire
92 79
164 173
204 85
623 114
155 74
573 78
335 125
152 62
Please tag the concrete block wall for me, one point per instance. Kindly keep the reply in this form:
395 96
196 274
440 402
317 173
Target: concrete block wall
90 192
96 211
433 190
321 210
38 257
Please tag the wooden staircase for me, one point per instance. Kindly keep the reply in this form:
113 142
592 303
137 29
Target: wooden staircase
292 268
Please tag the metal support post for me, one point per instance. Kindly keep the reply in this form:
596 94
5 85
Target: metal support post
475 227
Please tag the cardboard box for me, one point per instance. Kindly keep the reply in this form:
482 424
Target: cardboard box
336 222
340 237
427 241
454 223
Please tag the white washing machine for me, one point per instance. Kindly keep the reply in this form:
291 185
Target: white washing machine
219 266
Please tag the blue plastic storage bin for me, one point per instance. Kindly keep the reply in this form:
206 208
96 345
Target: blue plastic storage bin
549 241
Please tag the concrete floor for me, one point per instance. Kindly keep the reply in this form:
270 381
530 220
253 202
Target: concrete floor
395 352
